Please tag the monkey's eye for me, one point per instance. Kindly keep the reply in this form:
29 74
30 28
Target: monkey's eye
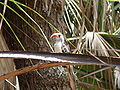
59 35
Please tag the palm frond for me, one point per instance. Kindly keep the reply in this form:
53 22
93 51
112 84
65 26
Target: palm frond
96 44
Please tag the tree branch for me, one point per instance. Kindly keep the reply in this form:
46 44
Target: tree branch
63 57
31 68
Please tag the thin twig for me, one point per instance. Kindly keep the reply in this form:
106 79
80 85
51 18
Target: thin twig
94 72
4 9
89 85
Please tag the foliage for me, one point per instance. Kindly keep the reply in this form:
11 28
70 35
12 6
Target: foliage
98 21
84 20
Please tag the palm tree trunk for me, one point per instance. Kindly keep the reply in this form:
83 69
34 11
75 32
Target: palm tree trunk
46 79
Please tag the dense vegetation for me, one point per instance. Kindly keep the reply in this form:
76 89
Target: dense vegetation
90 27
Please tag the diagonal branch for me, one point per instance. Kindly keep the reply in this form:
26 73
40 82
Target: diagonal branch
90 85
31 68
94 72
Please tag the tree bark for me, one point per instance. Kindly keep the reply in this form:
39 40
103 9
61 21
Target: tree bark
46 79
